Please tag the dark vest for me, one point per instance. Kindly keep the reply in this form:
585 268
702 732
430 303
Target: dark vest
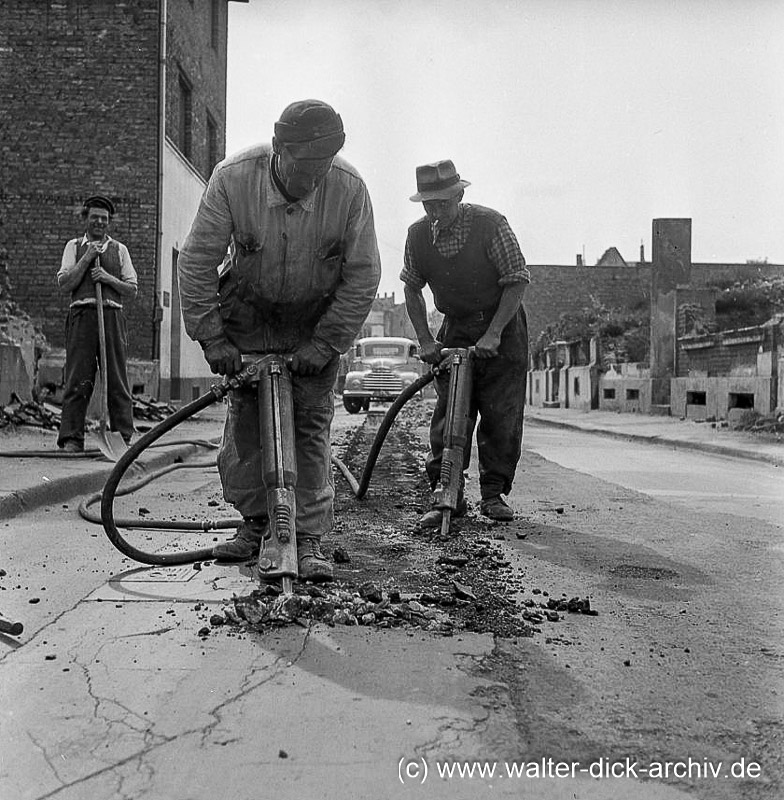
467 283
110 261
465 287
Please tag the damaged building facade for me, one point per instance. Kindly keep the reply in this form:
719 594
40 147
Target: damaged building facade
691 374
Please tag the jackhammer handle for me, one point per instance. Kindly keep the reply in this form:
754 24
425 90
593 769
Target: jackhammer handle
448 352
254 358
247 375
14 628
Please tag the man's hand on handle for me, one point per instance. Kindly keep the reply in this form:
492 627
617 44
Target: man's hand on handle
222 356
94 248
99 274
430 352
487 346
307 359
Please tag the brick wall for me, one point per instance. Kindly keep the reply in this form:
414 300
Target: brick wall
79 116
726 353
555 290
190 52
718 360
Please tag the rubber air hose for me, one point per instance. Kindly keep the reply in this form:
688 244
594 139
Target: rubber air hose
360 487
112 483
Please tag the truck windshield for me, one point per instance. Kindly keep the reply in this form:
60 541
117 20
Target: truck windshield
385 350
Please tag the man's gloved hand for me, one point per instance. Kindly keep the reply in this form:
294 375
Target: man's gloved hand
430 352
308 359
222 356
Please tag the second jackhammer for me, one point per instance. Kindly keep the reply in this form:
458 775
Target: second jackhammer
449 489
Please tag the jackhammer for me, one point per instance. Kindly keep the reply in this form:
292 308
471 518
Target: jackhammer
448 490
278 555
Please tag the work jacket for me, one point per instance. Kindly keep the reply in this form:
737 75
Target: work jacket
296 271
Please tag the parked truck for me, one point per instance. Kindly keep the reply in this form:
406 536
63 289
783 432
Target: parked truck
378 368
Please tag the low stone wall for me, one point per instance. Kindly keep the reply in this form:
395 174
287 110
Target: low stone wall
624 394
726 397
626 388
579 387
537 381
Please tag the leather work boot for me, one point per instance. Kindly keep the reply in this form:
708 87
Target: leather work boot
497 509
246 543
312 563
434 517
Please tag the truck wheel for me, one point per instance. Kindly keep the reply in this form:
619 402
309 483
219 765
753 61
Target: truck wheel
366 404
352 404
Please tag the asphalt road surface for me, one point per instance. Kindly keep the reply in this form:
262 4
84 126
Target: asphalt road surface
674 689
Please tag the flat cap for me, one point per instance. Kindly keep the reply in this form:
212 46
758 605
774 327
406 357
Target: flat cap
99 201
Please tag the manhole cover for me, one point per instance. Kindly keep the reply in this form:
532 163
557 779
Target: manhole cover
643 573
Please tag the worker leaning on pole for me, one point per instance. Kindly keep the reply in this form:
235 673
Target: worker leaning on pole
470 258
301 278
95 258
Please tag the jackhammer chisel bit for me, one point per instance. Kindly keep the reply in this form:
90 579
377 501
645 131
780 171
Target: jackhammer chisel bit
278 554
456 426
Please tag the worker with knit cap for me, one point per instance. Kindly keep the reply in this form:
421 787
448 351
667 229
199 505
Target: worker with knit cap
300 276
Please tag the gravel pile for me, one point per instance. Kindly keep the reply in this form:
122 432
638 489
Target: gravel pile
368 605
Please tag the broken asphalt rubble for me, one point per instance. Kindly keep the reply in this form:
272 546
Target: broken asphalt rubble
451 605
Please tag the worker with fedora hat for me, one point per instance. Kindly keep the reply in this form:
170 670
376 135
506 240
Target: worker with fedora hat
95 257
470 259
300 278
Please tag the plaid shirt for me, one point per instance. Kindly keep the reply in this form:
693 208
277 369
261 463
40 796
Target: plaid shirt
503 252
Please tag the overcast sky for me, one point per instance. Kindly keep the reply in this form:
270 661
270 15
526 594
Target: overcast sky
580 120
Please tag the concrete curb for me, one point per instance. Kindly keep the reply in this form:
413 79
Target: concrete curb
678 444
66 487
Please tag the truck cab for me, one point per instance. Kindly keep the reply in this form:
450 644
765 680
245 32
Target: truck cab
379 368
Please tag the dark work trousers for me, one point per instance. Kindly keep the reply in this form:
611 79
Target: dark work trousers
81 366
498 399
240 462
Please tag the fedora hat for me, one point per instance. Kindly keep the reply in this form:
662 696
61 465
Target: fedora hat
438 181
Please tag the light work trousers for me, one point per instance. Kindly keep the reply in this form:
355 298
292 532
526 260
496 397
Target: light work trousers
240 460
